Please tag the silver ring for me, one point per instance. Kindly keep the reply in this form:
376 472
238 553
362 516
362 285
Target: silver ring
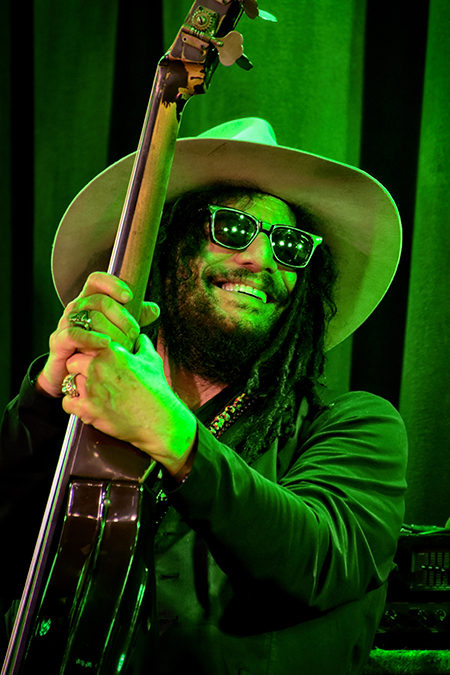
69 386
82 320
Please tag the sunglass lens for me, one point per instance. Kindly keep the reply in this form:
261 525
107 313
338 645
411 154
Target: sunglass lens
233 230
291 247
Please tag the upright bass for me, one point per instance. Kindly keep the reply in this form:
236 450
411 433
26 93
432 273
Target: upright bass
89 598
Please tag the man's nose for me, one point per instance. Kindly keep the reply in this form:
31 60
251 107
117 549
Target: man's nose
258 256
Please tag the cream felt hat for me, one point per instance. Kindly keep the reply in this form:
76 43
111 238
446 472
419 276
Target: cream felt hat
355 214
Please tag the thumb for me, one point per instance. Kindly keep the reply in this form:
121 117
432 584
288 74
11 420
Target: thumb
149 313
143 345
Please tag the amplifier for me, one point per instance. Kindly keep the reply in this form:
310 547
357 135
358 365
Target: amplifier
417 612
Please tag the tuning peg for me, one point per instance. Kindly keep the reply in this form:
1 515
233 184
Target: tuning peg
250 8
267 16
230 48
244 62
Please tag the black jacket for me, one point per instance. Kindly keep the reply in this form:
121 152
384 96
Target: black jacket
279 567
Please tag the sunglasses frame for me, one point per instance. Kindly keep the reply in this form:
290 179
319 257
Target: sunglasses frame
261 226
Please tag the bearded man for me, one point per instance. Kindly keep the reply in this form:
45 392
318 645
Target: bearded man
278 510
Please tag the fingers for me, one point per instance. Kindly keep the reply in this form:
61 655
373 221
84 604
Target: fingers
79 404
102 296
64 343
108 319
76 404
79 364
149 313
107 284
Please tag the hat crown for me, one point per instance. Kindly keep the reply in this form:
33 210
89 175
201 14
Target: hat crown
252 129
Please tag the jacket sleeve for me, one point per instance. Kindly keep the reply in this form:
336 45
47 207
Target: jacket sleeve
31 436
326 532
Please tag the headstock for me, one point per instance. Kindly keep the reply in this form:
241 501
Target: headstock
208 36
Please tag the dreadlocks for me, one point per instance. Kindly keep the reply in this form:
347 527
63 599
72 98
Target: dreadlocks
290 365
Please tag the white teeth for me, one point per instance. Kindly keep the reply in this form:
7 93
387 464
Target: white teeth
248 290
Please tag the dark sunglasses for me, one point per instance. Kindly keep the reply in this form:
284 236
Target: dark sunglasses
236 229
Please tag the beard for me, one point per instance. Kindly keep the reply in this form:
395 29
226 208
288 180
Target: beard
202 339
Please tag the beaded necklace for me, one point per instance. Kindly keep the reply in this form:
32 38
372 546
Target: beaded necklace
229 414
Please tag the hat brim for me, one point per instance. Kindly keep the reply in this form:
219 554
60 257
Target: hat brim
355 214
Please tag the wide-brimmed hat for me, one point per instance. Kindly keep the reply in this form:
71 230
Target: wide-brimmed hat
355 214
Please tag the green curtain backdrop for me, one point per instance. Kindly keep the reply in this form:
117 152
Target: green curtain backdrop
425 397
361 82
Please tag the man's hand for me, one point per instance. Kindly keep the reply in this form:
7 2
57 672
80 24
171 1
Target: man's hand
123 394
127 396
104 296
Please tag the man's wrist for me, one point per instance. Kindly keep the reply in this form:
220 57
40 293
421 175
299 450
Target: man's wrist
183 472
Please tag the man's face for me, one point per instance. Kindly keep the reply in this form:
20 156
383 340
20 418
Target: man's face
248 287
218 321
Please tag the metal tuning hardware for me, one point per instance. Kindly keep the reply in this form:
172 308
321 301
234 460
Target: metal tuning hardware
267 16
201 30
230 48
252 11
250 8
204 20
196 33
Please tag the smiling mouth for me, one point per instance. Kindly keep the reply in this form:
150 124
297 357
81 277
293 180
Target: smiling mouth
245 290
